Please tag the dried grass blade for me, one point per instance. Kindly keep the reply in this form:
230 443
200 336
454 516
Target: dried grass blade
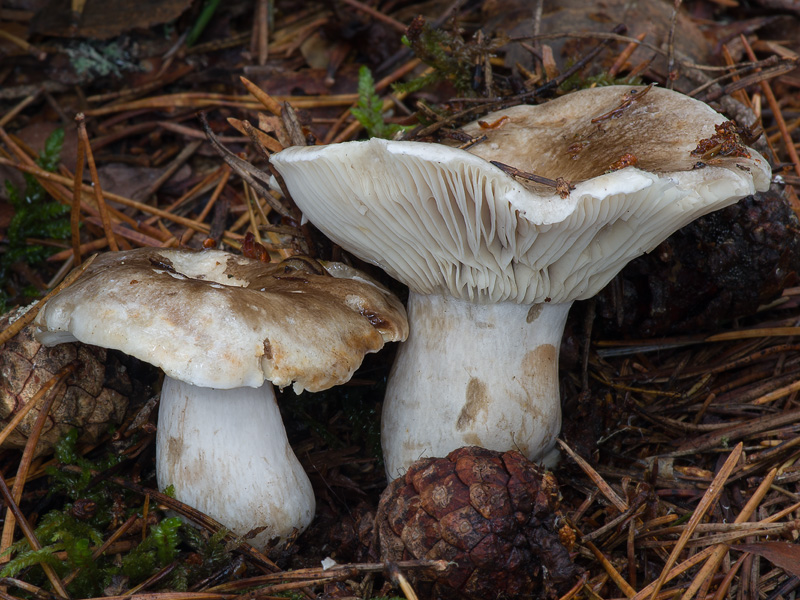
7 537
98 193
776 110
708 499
58 586
606 490
75 212
753 333
703 577
618 579
263 97
266 140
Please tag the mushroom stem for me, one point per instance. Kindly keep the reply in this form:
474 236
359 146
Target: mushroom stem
497 389
225 452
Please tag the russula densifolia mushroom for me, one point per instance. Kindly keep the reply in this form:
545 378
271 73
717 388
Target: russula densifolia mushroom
493 261
222 327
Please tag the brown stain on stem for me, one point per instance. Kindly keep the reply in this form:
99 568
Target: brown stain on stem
477 401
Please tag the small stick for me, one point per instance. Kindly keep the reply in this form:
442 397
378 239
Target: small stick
722 590
626 53
709 498
776 111
245 170
263 97
606 490
75 212
672 75
679 569
562 186
264 139
54 177
173 166
260 39
704 576
618 579
31 537
203 186
98 193
377 15
7 537
9 116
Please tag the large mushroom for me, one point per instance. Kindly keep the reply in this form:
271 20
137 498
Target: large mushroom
494 257
222 327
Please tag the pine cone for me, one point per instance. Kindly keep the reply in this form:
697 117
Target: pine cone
720 267
96 394
490 514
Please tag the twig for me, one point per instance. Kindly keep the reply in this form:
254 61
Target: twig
377 15
776 112
9 115
672 75
604 488
193 514
626 53
562 186
263 97
709 498
28 453
703 577
98 193
58 586
245 170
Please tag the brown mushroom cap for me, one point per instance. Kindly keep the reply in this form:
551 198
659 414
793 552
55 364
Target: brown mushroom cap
590 132
215 319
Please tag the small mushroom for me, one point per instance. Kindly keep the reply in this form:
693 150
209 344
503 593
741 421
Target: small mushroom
494 260
222 327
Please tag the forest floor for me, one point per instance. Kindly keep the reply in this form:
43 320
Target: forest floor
680 470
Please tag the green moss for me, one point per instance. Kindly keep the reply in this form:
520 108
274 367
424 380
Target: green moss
36 215
453 58
369 109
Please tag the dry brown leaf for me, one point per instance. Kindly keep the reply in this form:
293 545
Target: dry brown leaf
781 554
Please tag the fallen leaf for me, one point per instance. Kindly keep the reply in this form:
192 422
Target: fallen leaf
781 554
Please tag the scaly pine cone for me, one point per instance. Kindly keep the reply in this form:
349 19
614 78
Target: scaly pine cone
490 514
96 394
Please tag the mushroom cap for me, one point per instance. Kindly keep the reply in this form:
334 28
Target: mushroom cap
445 220
215 319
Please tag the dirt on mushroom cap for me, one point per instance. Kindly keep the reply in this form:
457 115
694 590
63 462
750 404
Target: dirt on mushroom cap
219 320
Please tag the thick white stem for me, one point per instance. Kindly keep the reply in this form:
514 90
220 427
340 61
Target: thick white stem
473 374
226 454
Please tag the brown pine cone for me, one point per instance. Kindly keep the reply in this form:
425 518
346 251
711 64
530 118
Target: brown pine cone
96 394
490 514
720 267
